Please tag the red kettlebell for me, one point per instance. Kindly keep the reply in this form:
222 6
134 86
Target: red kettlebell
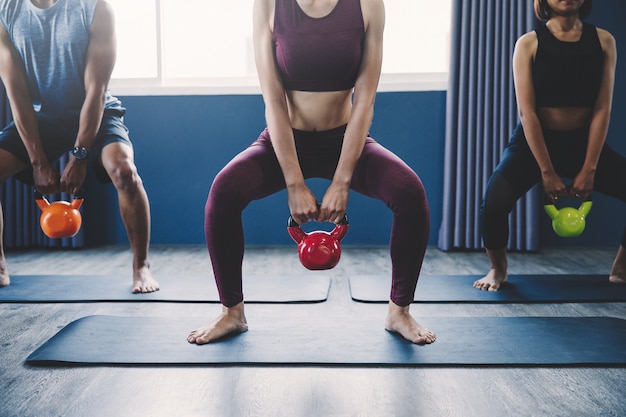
59 219
319 249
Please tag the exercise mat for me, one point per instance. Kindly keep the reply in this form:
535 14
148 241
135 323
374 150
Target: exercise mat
183 288
353 341
517 289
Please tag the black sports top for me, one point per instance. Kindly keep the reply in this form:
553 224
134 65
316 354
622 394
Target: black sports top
567 74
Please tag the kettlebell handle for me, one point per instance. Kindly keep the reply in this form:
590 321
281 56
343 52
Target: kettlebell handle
292 223
77 196
547 200
43 203
583 209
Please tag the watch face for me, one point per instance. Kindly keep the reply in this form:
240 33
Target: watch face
79 152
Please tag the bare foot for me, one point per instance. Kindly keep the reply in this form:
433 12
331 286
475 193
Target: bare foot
143 282
4 274
618 272
615 279
231 321
490 282
400 321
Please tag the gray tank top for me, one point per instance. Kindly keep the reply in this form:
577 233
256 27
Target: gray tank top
53 45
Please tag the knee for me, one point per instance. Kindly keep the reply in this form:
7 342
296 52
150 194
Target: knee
410 197
125 177
222 188
224 195
499 198
484 209
492 207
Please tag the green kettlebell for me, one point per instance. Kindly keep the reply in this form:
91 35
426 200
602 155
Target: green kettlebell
568 221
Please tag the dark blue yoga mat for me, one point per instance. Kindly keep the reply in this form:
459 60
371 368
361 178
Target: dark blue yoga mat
521 341
517 289
303 288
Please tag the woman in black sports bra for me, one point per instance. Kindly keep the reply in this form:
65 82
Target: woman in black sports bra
564 75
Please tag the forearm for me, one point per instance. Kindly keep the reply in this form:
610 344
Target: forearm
354 141
25 121
536 142
597 136
282 138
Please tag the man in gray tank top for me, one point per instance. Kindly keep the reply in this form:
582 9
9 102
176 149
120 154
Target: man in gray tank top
56 60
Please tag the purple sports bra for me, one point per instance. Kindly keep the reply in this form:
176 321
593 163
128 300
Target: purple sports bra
318 54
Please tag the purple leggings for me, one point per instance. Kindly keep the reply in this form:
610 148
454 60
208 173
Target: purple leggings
255 173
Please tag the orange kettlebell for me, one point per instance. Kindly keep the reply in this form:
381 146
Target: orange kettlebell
319 249
59 219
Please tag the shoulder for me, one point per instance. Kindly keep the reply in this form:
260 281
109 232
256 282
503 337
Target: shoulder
525 48
263 8
263 14
103 13
373 7
527 40
8 10
527 43
373 12
103 24
606 40
103 10
7 4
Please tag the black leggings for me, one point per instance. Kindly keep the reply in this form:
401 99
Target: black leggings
518 172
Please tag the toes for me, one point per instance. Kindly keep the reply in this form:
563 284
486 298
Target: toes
429 337
193 336
145 288
200 340
425 338
486 286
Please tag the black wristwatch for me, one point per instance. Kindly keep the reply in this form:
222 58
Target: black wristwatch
79 153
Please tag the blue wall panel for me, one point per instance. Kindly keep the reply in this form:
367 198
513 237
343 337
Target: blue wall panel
181 143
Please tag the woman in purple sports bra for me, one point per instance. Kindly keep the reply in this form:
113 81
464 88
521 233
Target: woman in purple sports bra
318 63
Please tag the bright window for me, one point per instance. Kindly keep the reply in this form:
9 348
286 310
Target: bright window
205 46
136 48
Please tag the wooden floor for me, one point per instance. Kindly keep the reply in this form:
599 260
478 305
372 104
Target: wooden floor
296 391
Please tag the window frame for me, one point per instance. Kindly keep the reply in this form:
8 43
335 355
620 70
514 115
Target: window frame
390 82
161 86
